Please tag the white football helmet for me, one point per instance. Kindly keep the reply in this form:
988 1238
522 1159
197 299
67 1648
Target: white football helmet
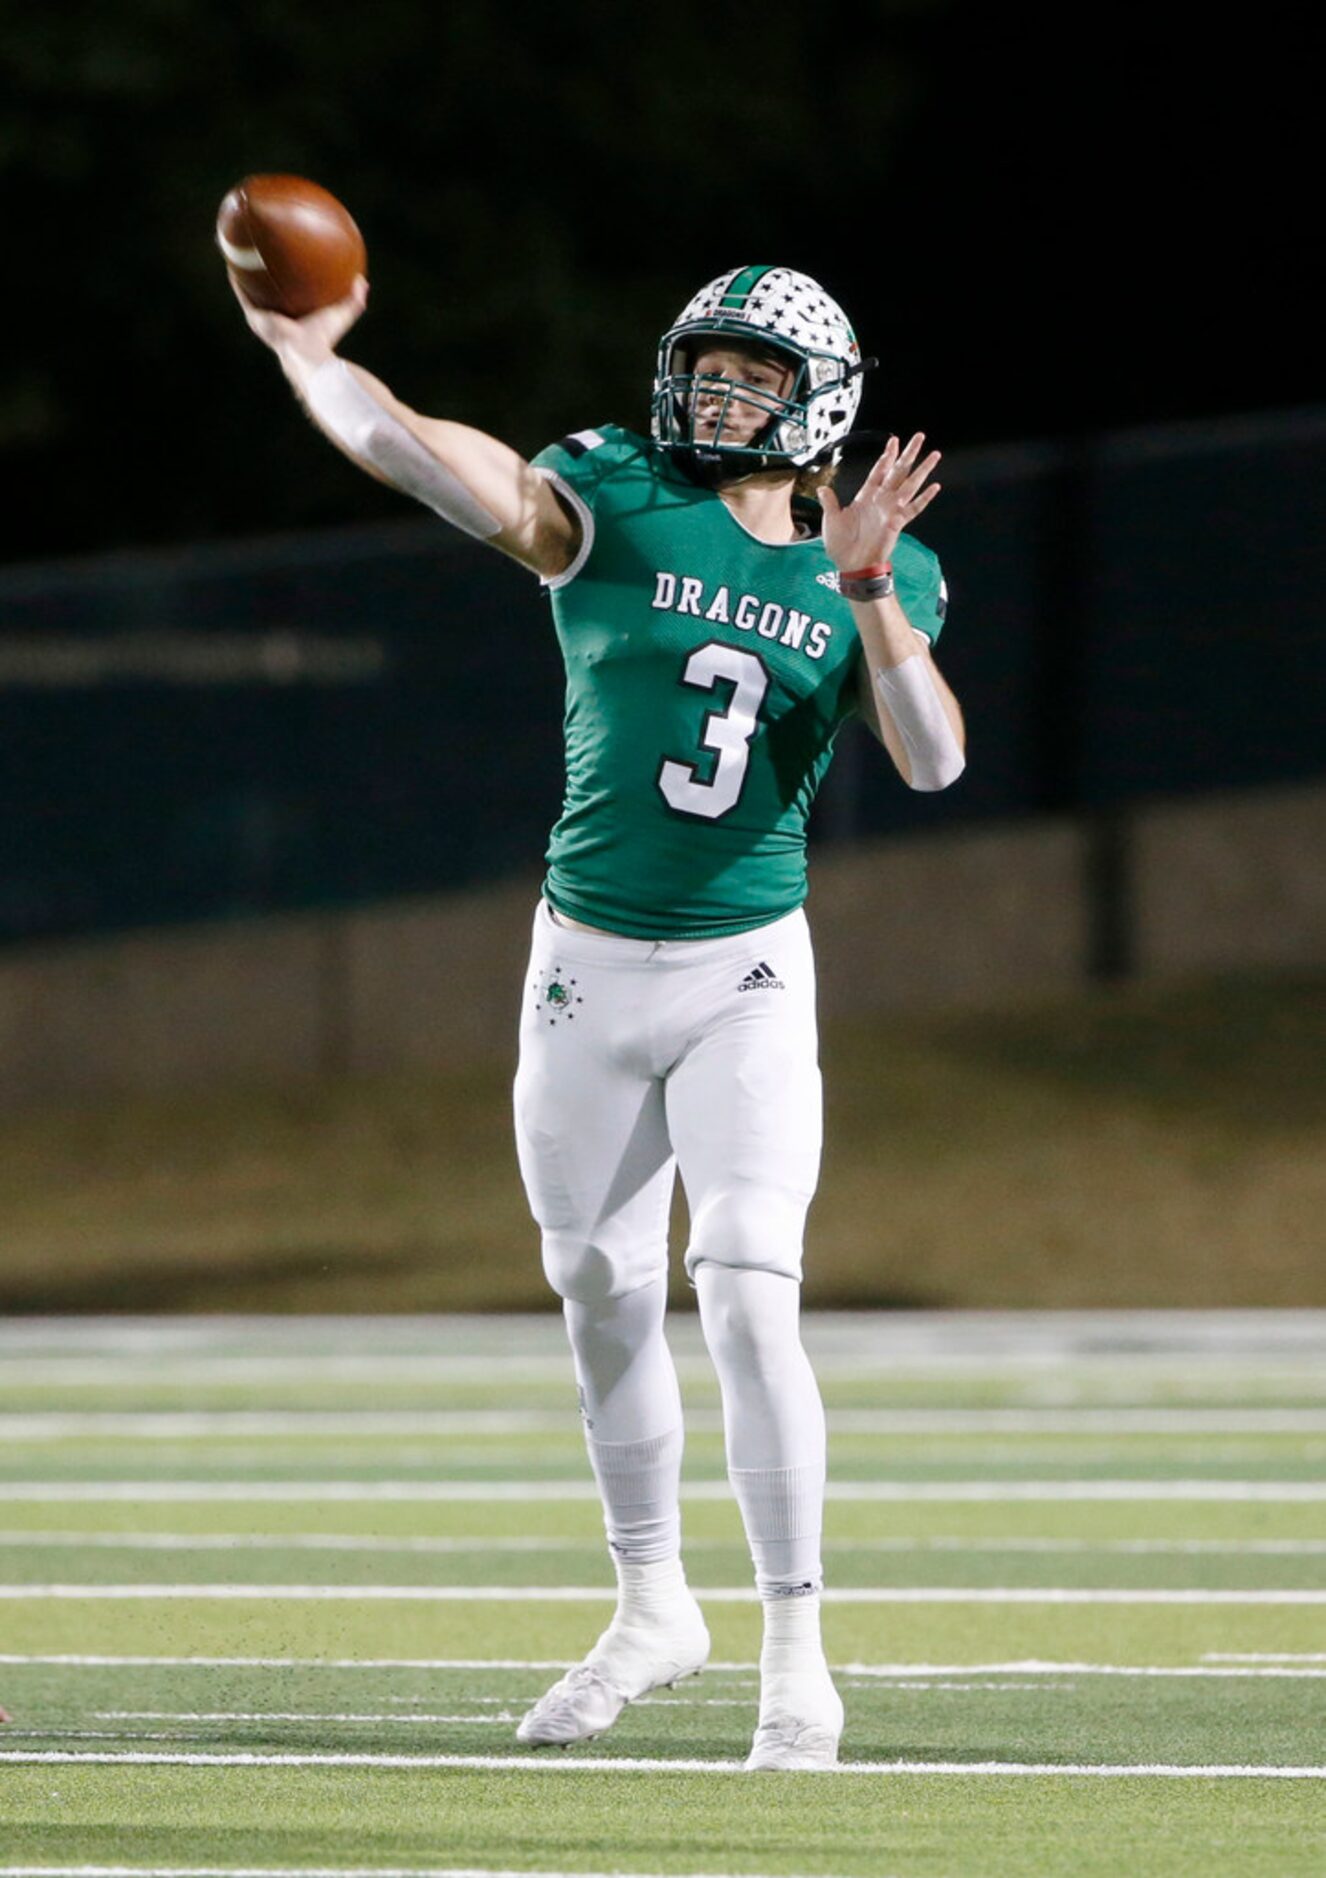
782 312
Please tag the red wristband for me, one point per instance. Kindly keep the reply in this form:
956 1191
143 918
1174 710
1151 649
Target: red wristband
869 573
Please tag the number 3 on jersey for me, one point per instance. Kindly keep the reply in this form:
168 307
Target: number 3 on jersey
727 732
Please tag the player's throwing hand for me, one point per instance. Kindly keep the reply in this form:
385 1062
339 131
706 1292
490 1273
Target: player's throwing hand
314 337
865 532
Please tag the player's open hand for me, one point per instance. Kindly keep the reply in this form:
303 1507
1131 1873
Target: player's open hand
865 532
313 338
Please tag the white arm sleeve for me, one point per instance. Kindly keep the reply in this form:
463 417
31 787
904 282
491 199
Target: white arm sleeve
369 431
933 751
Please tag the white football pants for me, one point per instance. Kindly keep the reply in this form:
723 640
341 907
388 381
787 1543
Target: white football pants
639 1058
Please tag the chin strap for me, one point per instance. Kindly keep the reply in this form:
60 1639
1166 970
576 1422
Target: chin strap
712 468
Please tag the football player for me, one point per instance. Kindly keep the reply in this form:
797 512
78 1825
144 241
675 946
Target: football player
721 615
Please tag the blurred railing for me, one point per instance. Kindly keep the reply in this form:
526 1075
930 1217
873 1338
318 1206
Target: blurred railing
338 719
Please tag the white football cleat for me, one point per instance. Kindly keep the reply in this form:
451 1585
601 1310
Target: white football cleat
801 1722
626 1662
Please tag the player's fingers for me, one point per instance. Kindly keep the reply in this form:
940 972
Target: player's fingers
883 463
880 473
910 484
896 470
246 307
829 501
341 313
356 300
260 320
924 499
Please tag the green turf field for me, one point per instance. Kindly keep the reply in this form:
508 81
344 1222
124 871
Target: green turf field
273 1594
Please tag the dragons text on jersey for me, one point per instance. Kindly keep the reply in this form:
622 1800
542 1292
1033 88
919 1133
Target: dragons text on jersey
683 593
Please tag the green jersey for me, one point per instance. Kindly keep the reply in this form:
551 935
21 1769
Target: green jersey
707 676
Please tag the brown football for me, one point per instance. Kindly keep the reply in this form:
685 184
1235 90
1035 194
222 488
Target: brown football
289 245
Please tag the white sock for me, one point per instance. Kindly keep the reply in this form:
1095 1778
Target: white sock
632 1413
640 1484
782 1510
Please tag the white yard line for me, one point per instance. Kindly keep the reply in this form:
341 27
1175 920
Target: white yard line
307 1662
200 1424
1274 1656
893 1672
460 1381
31 1539
1164 1334
1286 1666
176 1425
591 1594
1089 1385
308 1542
503 1719
532 1763
297 1871
1235 1548
412 1720
302 1871
351 1491
578 1488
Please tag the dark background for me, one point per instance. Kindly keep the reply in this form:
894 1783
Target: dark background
1083 244
1045 221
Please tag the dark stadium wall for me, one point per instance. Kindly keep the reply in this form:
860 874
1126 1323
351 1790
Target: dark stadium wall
337 718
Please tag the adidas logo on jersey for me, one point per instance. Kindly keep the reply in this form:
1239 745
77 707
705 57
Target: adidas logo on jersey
763 978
